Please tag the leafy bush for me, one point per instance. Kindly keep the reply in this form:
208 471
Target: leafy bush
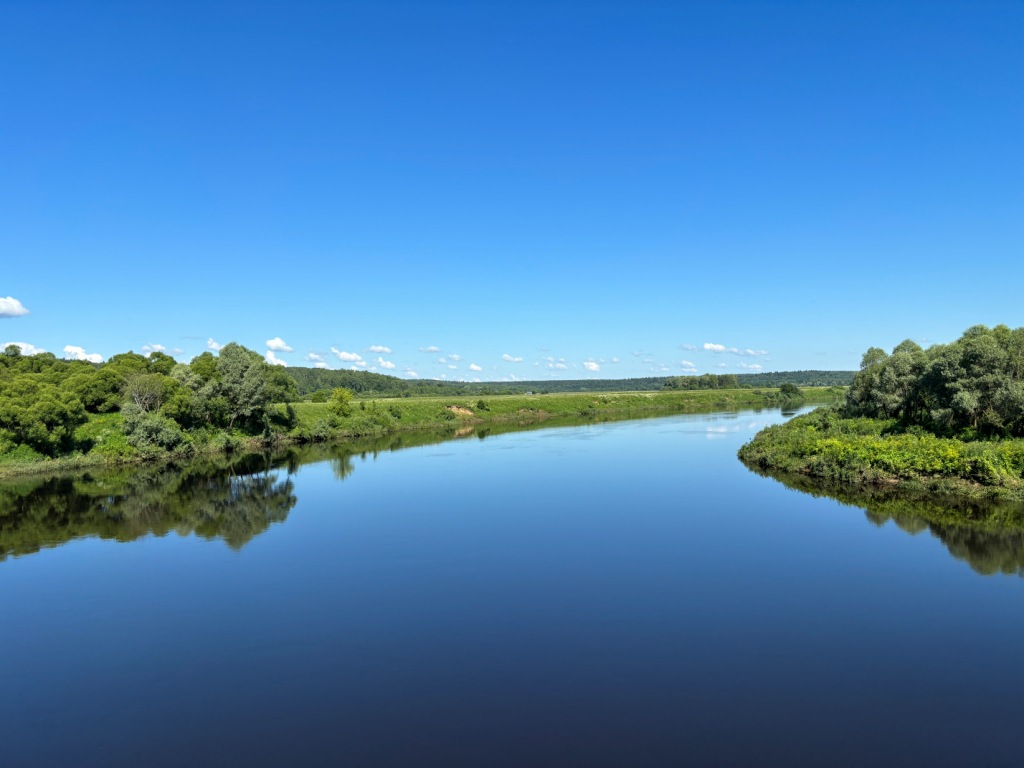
151 431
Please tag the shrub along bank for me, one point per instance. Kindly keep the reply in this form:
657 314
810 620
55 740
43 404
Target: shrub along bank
123 437
949 418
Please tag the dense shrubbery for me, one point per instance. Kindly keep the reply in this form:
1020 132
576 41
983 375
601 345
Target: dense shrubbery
856 450
973 387
164 404
953 411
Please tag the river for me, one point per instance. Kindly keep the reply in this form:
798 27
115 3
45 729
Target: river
606 594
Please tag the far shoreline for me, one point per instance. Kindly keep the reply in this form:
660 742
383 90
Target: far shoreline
376 418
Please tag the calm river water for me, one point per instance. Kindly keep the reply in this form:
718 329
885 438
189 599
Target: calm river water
618 594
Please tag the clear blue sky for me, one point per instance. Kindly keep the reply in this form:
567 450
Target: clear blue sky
570 183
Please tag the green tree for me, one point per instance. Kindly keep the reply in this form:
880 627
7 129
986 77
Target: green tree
340 403
243 385
790 391
38 414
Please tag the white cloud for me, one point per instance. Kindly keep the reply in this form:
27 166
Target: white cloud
688 347
278 345
320 364
380 349
77 353
359 364
475 367
26 349
313 357
432 349
274 359
346 357
590 365
615 360
723 365
455 358
453 367
509 359
687 364
11 307
149 349
385 364
751 367
709 347
213 345
411 373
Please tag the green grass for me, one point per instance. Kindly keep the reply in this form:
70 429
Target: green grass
863 451
394 414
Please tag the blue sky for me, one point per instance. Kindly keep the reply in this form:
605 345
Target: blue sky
532 189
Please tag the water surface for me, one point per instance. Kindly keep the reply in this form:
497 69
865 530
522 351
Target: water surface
607 594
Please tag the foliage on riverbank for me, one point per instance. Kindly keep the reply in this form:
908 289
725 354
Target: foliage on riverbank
949 418
829 446
971 388
103 439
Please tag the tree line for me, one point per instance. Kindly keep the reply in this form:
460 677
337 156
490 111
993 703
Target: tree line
44 399
317 383
973 387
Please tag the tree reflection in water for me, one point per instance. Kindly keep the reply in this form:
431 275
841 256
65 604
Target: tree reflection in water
231 498
986 534
232 501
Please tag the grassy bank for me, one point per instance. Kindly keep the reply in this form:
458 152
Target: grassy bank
101 440
874 452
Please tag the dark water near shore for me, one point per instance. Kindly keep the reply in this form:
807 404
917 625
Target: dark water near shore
597 595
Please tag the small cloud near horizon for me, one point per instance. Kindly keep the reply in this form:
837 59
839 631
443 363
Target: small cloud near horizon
11 307
385 364
278 345
719 348
431 349
592 366
346 357
379 349
26 348
509 359
78 353
274 359
213 345
475 367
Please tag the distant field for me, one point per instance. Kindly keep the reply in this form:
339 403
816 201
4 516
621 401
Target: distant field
387 414
367 383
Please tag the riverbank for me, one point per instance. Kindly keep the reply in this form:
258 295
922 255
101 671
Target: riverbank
103 442
863 452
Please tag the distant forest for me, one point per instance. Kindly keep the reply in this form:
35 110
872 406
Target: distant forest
318 382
